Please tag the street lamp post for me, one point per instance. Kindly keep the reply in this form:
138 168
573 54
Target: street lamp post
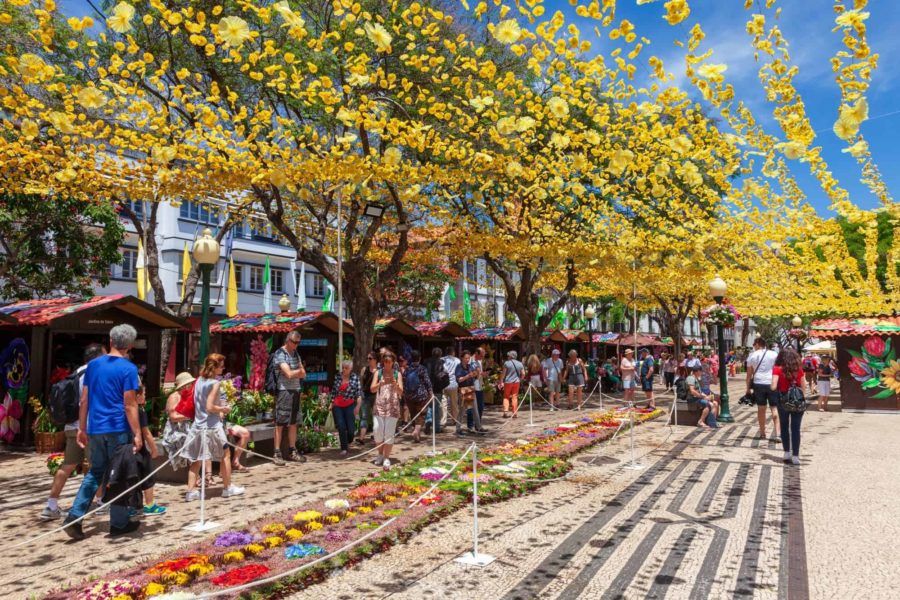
717 289
206 253
589 314
797 322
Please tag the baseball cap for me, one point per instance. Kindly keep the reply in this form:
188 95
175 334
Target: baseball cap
555 351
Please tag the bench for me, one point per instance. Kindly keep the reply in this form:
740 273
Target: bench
688 413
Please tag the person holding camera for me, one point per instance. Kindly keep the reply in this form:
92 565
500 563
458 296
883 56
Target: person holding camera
706 401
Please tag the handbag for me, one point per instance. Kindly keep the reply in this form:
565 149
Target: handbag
793 401
467 394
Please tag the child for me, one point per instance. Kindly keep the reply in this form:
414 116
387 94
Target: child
148 452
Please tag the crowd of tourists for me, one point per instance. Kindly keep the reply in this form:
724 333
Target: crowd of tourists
388 395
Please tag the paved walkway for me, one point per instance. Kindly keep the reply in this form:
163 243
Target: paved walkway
712 515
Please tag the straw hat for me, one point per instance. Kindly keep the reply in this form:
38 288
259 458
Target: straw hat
629 351
183 379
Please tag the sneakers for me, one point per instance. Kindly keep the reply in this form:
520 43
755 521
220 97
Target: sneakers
461 433
277 459
787 456
795 460
154 509
73 530
130 527
297 457
192 495
232 490
378 460
49 514
386 464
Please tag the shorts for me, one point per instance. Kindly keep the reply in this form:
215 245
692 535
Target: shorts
824 389
510 390
73 454
763 394
552 386
703 402
647 384
384 429
287 407
628 384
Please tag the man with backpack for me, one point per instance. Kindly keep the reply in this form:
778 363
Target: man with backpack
440 379
417 392
647 370
65 397
810 369
284 373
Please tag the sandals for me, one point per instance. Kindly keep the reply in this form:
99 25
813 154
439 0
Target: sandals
238 468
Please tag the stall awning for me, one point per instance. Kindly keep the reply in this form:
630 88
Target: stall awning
38 313
396 324
834 328
500 334
566 335
441 329
605 338
642 340
277 322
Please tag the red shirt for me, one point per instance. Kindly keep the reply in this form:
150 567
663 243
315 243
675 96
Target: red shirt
783 383
343 398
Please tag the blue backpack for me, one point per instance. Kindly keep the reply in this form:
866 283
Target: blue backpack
412 381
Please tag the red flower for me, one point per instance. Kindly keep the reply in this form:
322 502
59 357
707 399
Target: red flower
874 346
240 575
859 368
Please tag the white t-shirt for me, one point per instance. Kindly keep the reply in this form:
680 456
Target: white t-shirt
554 368
627 368
762 361
477 383
450 363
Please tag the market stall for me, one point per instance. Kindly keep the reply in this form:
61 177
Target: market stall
397 334
565 340
42 340
439 334
867 358
234 336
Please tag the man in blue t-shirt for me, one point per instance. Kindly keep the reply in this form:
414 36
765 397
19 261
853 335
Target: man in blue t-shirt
108 414
647 370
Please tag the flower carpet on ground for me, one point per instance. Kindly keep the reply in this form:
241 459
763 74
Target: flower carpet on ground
382 506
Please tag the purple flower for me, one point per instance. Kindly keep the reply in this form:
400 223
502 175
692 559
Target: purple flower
337 536
233 538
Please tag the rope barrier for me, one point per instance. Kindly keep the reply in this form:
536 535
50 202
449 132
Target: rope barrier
297 569
396 433
104 505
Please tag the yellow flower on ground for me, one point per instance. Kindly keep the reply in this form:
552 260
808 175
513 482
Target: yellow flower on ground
890 376
154 589
235 556
234 31
90 98
392 156
558 107
273 541
676 11
513 169
314 526
507 32
30 129
712 72
858 149
254 548
559 140
379 36
293 534
61 122
120 20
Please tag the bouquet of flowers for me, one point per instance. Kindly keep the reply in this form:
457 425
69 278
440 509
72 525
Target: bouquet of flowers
54 462
259 358
720 314
42 422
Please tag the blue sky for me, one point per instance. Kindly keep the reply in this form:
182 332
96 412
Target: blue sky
806 24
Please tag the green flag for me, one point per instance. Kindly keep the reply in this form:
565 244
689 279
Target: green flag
467 306
540 311
267 288
327 302
451 293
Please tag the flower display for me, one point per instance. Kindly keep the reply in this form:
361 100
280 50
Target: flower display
154 589
259 358
470 477
10 413
306 516
110 590
293 534
336 504
875 346
254 549
337 536
720 314
302 550
233 556
314 526
233 538
54 462
875 367
273 541
275 528
181 570
240 575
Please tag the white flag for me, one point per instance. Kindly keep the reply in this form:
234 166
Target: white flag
301 289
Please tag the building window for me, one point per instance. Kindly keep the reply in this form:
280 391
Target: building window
318 286
194 211
239 276
136 206
256 279
277 281
129 264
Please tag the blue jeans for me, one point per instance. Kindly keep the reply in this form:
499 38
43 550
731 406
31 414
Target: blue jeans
434 407
479 403
365 412
344 420
790 430
103 447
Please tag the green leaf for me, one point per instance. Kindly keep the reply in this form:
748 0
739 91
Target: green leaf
883 394
877 365
871 383
887 345
890 356
854 353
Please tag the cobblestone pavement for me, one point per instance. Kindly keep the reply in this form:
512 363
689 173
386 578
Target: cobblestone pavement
712 515
54 561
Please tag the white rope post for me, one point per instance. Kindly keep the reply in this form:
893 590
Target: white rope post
530 408
474 558
434 424
203 525
633 465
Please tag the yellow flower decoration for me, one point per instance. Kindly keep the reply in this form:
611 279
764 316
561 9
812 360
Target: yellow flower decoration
365 509
676 11
273 541
254 549
32 66
314 526
234 31
91 98
392 156
120 20
379 36
712 72
856 150
154 589
276 528
234 556
332 519
558 107
30 129
293 534
890 376
306 515
507 32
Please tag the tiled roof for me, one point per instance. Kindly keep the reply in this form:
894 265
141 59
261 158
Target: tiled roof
275 322
494 333
605 338
401 326
642 340
42 312
441 329
831 328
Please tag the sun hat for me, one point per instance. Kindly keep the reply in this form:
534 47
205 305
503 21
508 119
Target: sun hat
629 351
183 379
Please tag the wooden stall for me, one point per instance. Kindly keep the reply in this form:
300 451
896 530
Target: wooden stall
439 334
46 338
867 357
232 338
397 334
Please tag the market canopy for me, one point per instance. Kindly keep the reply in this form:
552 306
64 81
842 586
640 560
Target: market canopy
834 328
638 340
500 334
566 336
396 324
823 347
40 313
605 338
441 329
277 322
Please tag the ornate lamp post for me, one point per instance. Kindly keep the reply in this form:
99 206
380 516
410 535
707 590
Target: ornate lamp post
717 289
589 314
206 253
797 322
284 304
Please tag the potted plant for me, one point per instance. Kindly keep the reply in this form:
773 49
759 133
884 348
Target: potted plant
48 437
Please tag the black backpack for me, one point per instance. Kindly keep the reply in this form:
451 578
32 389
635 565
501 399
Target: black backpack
682 391
793 401
440 379
65 396
271 385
